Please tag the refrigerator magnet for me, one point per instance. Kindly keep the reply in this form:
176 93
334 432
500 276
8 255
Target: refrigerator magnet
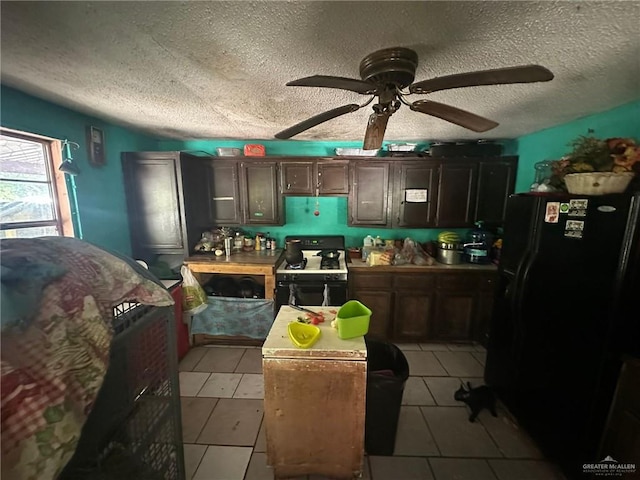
575 225
578 207
574 229
564 207
551 212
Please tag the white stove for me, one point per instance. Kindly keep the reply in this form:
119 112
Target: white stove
318 279
314 265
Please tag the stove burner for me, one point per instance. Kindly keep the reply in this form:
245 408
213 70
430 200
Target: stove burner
329 264
296 266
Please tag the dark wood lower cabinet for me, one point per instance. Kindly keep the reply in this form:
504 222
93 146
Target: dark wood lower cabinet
374 291
451 306
454 314
380 304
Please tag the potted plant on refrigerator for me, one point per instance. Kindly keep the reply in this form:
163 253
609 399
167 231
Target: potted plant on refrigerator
597 167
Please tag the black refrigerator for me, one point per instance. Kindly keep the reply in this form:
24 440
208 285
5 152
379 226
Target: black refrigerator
567 309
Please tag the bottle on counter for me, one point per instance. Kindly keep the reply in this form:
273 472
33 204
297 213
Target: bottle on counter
267 243
367 246
257 244
238 241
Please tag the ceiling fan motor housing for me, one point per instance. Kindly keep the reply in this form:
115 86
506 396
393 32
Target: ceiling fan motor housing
396 66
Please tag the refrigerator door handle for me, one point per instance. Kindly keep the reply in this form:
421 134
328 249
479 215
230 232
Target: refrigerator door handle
517 304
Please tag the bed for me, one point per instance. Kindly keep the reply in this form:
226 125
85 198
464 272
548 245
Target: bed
57 306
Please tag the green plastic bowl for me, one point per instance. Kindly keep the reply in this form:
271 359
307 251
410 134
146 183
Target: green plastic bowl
353 320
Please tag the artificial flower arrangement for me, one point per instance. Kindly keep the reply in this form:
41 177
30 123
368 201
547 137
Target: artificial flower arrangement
591 155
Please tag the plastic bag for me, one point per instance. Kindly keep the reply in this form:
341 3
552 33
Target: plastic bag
194 298
412 252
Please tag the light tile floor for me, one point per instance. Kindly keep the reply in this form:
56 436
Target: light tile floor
222 417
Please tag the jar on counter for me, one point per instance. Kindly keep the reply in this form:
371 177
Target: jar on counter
542 178
476 249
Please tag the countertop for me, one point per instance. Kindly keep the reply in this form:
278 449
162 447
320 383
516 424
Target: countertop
254 257
329 345
359 265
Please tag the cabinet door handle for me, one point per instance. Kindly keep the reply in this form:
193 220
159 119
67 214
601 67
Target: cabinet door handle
288 186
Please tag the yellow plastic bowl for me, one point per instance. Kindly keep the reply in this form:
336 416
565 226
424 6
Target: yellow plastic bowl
303 335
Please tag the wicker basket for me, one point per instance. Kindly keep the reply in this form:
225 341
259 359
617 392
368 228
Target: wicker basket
597 183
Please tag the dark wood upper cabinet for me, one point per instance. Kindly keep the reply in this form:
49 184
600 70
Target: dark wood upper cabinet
333 177
368 198
164 217
415 194
297 178
496 181
456 193
261 199
222 192
329 177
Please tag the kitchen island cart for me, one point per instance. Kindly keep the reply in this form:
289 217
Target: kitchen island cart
314 400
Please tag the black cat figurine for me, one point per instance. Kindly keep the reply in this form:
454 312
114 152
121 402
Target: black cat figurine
477 399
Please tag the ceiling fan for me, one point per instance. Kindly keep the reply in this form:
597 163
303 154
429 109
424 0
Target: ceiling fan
387 73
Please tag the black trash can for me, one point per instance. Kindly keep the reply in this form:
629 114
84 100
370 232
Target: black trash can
387 373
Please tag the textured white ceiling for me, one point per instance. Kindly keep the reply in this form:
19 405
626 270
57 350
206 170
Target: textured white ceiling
219 69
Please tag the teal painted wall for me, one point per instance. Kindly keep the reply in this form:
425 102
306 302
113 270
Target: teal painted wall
332 220
99 191
553 143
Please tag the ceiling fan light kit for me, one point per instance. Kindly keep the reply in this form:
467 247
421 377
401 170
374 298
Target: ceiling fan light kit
387 73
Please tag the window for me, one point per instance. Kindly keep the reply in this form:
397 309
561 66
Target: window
33 194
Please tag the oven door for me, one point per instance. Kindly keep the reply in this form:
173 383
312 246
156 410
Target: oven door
311 294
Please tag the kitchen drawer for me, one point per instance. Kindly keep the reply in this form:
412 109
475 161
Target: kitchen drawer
452 281
370 281
414 282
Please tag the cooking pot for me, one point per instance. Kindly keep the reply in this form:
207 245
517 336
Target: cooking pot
293 252
328 254
449 253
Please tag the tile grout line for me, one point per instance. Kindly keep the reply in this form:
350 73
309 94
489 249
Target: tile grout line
442 365
195 470
205 422
430 433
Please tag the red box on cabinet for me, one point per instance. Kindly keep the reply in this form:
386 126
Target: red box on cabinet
254 150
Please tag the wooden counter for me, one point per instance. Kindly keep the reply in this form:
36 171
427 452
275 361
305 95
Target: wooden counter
410 268
314 401
256 262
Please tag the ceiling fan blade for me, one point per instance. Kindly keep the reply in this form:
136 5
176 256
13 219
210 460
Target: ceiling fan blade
376 127
316 120
454 115
343 83
522 74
